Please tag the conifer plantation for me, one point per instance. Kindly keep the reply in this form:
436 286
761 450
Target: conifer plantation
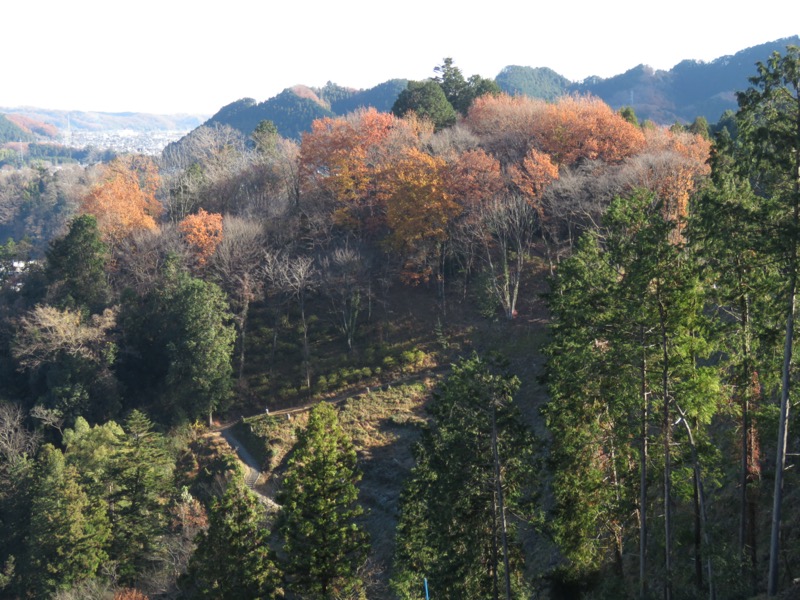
479 346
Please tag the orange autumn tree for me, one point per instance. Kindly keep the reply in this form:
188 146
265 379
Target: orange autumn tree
503 123
203 233
572 129
418 210
533 175
474 177
585 128
672 165
338 156
125 200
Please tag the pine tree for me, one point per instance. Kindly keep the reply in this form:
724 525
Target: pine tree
233 559
182 338
769 126
456 527
76 268
69 533
624 371
323 544
727 235
140 474
596 371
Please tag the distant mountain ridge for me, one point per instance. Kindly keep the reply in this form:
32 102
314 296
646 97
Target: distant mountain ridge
690 89
105 121
294 109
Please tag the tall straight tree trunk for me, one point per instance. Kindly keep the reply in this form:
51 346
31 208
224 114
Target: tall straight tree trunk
700 499
667 433
500 503
783 423
643 481
698 540
495 550
745 458
783 428
306 351
618 528
242 335
748 549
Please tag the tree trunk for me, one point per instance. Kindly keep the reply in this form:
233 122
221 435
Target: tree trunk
643 482
495 549
744 467
667 433
698 539
783 423
306 352
242 334
500 503
783 428
700 497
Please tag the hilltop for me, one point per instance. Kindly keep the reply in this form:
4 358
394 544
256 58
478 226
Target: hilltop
690 89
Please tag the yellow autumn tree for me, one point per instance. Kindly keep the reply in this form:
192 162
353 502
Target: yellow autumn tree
418 210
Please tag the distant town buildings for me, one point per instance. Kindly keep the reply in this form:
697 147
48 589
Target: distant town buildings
122 140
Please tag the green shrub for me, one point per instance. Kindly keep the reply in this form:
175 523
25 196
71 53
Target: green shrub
408 357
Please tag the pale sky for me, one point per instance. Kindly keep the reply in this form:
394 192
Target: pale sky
180 56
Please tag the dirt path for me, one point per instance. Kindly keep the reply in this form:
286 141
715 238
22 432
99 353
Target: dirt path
251 465
252 468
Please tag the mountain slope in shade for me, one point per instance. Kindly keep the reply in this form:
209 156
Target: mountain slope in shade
688 90
539 82
291 113
294 109
12 132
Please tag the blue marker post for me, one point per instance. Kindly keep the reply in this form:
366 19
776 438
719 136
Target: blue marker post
425 579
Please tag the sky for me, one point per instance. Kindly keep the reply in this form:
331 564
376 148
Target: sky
179 56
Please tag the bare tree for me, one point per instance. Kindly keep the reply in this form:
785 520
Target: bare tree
15 439
199 147
345 281
510 223
46 332
140 258
49 417
287 166
294 277
453 141
237 267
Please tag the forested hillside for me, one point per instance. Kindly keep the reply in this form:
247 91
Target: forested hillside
477 346
11 132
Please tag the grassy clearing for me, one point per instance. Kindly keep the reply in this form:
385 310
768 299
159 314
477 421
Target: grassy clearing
383 424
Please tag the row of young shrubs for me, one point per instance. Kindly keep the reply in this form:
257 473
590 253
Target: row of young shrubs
341 378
